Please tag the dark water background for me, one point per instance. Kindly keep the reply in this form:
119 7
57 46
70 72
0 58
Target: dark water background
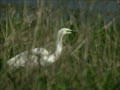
100 5
109 8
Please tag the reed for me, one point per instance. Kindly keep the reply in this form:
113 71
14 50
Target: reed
90 60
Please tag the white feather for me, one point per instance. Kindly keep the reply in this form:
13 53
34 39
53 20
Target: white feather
31 57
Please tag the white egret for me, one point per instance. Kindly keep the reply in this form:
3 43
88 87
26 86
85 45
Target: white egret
31 57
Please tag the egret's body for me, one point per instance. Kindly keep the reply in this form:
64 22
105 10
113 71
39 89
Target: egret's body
39 55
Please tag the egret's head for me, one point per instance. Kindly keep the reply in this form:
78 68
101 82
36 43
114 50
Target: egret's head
65 31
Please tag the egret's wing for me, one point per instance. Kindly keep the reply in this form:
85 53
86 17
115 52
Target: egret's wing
23 59
27 57
18 60
41 51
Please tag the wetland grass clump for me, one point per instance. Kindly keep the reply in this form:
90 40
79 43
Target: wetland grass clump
90 60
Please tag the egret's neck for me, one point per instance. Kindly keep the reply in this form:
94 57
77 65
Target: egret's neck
53 57
58 46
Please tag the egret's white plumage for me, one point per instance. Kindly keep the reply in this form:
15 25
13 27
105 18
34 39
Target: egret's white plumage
31 57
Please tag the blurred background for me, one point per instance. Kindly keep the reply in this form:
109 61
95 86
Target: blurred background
90 59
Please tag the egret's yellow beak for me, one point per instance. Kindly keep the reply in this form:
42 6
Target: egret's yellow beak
69 31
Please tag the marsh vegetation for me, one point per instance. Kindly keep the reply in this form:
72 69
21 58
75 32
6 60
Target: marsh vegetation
90 59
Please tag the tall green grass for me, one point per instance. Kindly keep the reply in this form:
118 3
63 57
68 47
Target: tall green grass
90 59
